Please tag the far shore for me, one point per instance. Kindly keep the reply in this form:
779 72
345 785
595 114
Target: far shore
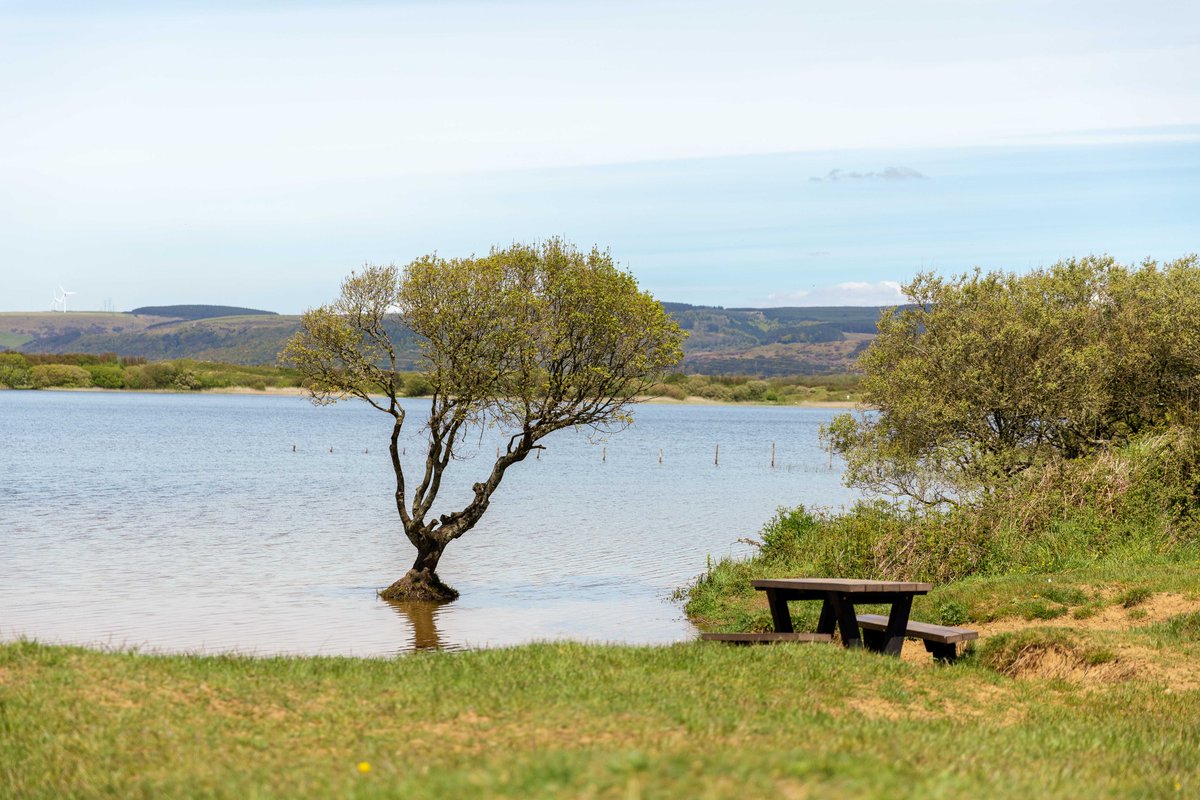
296 391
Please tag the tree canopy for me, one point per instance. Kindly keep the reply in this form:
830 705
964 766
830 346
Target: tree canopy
530 339
987 374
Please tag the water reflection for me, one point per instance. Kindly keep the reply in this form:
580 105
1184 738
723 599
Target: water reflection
422 622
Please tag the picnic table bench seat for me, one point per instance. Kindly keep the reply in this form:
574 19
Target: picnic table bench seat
940 640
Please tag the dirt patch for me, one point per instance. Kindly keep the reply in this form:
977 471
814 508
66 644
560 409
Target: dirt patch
1130 660
879 708
1063 662
1156 608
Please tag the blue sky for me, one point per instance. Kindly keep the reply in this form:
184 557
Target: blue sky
751 153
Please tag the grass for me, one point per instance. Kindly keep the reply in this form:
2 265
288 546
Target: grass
723 599
1038 708
689 720
13 340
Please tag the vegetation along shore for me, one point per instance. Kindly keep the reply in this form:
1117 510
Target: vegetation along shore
109 371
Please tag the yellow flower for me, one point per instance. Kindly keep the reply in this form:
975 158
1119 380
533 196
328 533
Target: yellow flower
364 767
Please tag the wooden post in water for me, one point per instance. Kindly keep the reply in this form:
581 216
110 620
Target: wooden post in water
772 455
717 456
660 455
604 455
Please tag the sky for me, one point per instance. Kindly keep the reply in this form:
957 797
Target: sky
728 153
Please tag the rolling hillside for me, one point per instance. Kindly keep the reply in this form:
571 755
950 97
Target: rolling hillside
743 341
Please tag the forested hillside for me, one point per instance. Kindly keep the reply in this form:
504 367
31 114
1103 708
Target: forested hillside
722 341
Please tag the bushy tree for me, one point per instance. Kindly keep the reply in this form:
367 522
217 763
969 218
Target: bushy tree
531 339
65 375
988 374
14 371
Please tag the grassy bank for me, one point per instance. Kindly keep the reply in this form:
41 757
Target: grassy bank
1117 718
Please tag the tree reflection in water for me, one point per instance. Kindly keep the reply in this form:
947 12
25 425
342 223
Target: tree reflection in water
422 621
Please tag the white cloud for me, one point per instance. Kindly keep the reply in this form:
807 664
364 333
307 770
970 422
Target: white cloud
850 293
886 174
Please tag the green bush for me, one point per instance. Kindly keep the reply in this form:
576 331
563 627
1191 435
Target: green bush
161 374
417 386
671 390
137 378
106 376
187 381
952 612
61 375
14 371
1134 504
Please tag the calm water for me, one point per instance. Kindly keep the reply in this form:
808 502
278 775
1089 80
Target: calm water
186 522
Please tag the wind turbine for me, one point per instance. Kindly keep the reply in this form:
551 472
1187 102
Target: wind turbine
61 297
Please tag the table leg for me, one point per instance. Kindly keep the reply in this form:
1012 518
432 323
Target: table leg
843 609
892 640
828 621
780 616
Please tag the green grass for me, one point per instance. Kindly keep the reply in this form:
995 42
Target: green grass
724 599
14 340
690 720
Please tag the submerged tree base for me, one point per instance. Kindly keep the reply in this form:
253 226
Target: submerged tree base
420 585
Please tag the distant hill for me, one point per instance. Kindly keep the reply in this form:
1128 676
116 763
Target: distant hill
733 341
198 312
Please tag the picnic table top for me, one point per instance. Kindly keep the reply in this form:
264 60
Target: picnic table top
847 585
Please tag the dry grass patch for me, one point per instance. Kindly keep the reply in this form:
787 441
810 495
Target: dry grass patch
1054 653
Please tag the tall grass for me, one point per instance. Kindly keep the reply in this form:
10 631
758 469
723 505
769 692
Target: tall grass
1132 505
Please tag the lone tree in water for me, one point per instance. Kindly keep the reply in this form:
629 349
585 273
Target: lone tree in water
531 339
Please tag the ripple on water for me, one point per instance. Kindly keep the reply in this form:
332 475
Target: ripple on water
186 523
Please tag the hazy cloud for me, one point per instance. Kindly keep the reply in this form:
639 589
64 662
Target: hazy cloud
885 174
850 293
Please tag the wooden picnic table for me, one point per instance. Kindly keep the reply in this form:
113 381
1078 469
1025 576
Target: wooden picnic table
839 596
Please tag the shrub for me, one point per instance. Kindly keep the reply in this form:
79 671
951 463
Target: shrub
417 386
136 377
713 391
1130 503
674 391
187 381
63 375
14 371
988 376
161 374
106 376
952 612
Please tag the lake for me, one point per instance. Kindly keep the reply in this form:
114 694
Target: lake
186 522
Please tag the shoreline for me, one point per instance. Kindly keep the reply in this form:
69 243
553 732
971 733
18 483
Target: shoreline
295 391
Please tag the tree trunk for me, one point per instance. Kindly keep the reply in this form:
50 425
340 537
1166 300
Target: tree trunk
422 582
